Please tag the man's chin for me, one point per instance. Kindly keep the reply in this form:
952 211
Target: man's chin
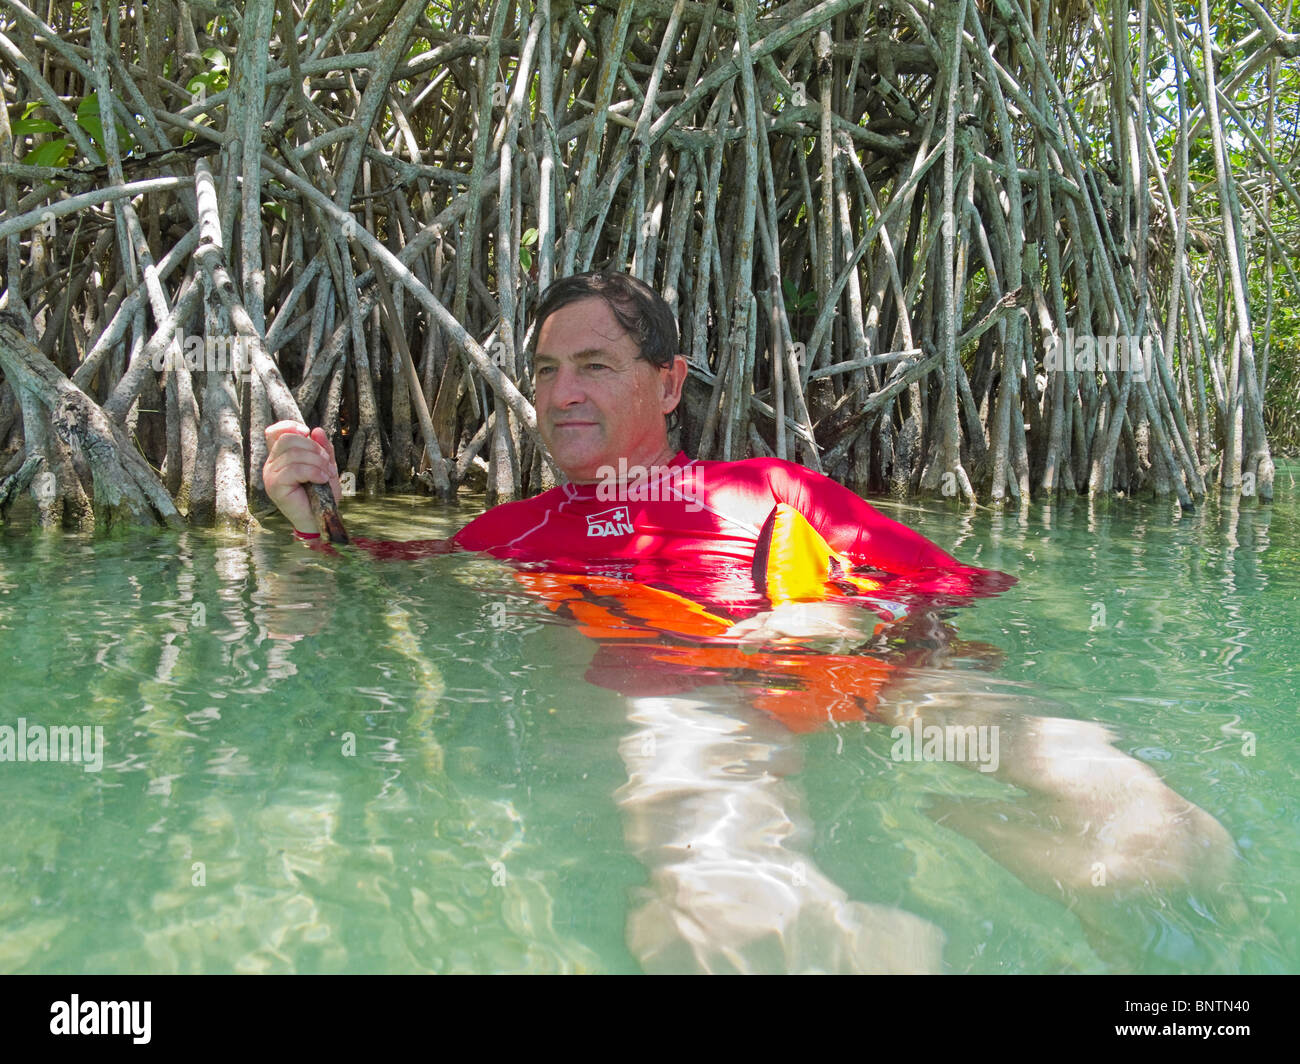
578 464
581 474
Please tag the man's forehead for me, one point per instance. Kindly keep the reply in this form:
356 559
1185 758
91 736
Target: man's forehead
584 328
590 352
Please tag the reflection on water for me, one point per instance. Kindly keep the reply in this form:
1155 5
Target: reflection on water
332 764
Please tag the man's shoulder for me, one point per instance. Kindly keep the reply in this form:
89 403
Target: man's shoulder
748 465
752 471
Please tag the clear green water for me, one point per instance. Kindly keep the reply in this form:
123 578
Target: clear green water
476 825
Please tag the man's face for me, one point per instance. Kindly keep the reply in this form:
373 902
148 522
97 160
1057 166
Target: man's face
597 399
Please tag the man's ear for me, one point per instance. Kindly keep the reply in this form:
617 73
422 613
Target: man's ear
673 381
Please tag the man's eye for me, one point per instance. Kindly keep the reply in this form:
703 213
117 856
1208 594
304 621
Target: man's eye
542 371
597 365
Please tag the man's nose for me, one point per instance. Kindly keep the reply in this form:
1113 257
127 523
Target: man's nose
566 387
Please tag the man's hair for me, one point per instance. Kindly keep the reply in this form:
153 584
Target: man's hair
638 308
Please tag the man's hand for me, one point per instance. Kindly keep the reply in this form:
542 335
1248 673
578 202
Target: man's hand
831 627
298 456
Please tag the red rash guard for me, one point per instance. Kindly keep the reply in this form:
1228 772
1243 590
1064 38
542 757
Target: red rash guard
692 527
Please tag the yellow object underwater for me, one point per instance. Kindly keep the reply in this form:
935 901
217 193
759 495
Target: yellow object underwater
793 563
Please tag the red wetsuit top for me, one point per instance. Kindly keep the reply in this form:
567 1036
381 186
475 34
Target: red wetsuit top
692 527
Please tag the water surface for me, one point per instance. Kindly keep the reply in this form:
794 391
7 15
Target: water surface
330 764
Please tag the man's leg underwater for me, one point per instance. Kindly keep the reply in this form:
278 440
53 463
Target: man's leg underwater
1094 826
1087 803
723 835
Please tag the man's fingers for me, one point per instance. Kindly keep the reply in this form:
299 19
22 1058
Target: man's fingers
280 428
306 471
293 435
318 434
295 440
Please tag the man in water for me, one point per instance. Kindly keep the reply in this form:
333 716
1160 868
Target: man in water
607 375
705 807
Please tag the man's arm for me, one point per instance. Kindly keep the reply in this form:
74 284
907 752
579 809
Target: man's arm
852 526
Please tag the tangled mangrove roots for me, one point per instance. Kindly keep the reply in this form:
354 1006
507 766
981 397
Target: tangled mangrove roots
974 248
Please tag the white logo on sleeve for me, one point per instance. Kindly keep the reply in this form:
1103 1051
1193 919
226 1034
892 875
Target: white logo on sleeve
613 522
